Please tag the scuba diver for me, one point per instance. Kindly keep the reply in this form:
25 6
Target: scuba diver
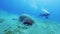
45 14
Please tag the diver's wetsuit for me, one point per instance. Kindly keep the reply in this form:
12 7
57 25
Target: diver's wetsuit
46 15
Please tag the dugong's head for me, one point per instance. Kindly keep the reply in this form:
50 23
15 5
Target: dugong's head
26 19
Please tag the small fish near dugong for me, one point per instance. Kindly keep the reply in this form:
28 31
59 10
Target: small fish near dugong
26 20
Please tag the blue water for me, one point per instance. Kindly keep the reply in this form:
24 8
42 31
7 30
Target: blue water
32 7
14 8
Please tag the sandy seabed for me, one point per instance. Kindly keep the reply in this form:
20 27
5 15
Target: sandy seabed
9 24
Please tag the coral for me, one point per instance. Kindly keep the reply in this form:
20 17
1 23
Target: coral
13 31
7 31
18 29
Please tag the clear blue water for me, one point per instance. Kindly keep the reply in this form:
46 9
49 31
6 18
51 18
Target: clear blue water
13 8
32 7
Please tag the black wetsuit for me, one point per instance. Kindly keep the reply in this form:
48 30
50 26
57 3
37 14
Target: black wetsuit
46 15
